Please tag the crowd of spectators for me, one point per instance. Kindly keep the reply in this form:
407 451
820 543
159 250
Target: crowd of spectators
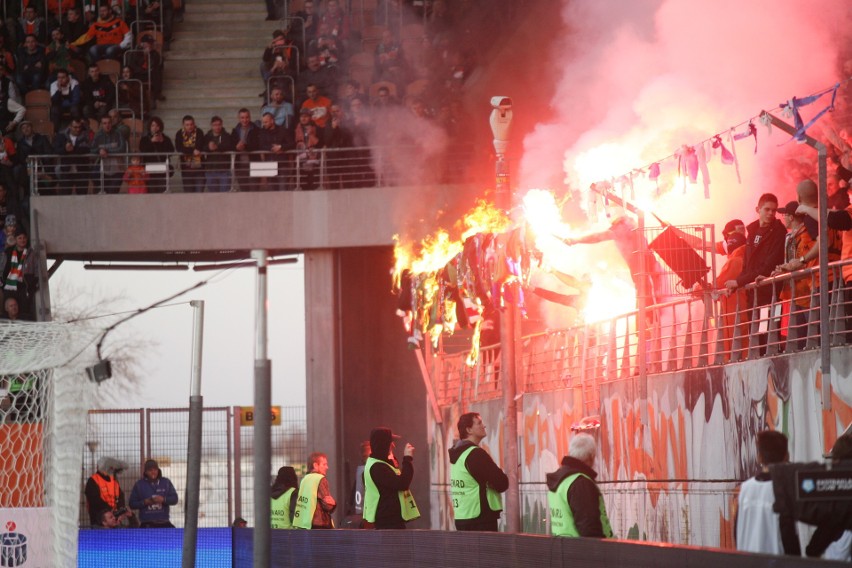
335 77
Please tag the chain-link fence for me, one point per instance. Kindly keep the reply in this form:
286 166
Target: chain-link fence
227 467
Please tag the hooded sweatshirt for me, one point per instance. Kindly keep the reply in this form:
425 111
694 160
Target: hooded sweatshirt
483 469
145 489
583 496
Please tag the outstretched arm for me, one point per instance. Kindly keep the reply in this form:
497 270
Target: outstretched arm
590 238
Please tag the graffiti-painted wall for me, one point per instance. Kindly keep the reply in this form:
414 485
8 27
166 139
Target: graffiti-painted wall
672 449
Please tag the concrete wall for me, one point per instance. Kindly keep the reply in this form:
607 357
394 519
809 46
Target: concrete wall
668 463
155 226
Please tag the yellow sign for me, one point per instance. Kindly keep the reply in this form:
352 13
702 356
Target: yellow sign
247 416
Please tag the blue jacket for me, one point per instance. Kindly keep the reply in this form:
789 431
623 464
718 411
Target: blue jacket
145 489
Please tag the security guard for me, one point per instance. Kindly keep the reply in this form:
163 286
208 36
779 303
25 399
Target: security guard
388 503
284 492
576 505
475 480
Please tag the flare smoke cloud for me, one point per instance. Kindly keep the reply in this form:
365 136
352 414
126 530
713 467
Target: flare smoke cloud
639 79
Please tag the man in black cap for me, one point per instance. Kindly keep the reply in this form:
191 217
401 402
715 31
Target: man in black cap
152 495
388 503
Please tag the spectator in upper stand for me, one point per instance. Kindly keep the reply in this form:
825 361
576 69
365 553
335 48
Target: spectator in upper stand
11 309
351 91
328 47
217 160
7 57
108 142
118 124
188 141
72 28
390 64
73 145
64 98
32 24
384 99
276 61
10 213
57 52
315 74
152 9
131 93
335 18
157 147
338 136
135 176
11 112
7 162
307 144
275 140
141 62
280 109
111 36
360 122
8 85
273 10
317 104
245 135
764 250
31 143
304 27
336 133
31 68
18 271
98 93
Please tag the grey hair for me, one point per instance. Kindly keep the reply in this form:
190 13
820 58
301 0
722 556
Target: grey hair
583 448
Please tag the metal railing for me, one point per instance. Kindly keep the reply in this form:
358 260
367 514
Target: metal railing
293 170
135 435
705 329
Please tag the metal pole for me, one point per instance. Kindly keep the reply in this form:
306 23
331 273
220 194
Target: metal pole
824 327
193 459
824 346
500 121
262 422
508 362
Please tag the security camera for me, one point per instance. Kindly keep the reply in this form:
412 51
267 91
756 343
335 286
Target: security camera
501 103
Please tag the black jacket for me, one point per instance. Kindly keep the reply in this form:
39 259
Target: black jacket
583 496
764 251
483 469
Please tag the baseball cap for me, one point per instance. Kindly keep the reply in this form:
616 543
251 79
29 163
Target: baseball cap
789 209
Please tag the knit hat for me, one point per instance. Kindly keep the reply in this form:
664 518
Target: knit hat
151 464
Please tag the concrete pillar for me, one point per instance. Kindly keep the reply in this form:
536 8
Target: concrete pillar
360 372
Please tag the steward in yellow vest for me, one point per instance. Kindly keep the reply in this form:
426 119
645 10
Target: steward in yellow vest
576 505
388 503
315 504
475 480
284 492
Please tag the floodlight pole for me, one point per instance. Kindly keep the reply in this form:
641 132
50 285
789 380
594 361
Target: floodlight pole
262 421
193 458
501 120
